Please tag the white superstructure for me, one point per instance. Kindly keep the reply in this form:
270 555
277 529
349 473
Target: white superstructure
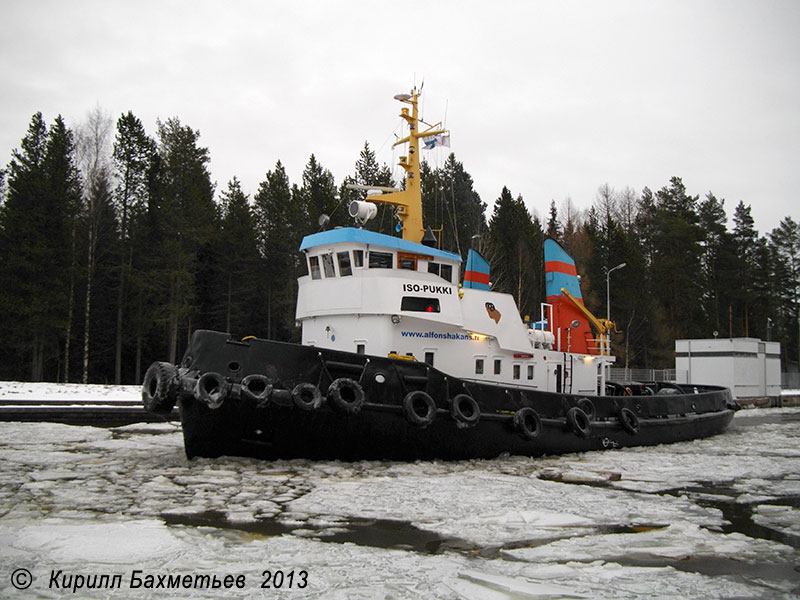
374 294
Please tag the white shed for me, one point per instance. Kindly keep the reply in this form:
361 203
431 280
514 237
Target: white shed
750 367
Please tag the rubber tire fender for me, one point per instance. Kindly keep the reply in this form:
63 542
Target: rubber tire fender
528 423
306 396
346 395
160 388
578 422
212 389
257 388
629 421
416 399
465 410
587 406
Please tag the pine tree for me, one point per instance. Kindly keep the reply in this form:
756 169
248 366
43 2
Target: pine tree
147 297
241 265
37 248
21 238
745 239
133 158
369 172
451 205
786 246
676 264
713 224
514 247
553 226
318 197
280 224
188 213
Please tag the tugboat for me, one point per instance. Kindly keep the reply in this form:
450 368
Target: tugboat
399 360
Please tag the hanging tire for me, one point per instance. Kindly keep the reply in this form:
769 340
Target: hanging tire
212 389
528 423
257 388
629 421
306 396
587 406
160 388
465 410
346 396
578 422
419 408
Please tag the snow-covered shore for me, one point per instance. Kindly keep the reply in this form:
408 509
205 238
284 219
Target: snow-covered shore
18 390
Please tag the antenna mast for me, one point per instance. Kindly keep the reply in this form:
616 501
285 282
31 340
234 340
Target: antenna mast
409 200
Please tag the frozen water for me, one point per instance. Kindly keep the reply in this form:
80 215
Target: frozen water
715 518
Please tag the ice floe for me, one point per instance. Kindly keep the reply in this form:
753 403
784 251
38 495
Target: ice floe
715 518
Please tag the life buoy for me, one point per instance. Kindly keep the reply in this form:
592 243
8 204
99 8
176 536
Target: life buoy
587 406
419 408
160 387
306 396
346 395
465 410
629 421
528 423
257 388
212 389
578 422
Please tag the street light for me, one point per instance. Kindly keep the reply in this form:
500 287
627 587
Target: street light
608 289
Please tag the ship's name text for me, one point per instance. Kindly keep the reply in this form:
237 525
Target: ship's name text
428 289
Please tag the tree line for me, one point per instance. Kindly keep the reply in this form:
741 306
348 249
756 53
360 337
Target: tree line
115 245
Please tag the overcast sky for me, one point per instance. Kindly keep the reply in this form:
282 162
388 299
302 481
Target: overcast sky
551 99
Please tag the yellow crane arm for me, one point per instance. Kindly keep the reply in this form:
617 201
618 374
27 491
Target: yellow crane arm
603 326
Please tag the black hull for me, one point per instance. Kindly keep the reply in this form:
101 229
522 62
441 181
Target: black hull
287 425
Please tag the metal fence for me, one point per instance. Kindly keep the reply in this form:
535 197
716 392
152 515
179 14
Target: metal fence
618 374
789 381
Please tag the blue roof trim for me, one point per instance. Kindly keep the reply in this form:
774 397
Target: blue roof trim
363 236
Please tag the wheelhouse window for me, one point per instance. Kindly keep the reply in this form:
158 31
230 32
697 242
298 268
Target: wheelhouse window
344 264
498 366
419 304
530 371
443 271
429 358
327 265
380 260
358 258
516 371
313 261
478 366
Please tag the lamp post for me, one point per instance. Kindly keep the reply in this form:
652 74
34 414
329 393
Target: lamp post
608 289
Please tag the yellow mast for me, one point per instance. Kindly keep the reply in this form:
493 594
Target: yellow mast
409 200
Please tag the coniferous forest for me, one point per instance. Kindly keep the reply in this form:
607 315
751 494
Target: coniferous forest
115 245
